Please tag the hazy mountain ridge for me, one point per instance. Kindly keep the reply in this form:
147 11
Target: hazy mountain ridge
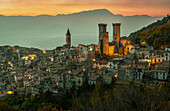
99 11
33 30
104 11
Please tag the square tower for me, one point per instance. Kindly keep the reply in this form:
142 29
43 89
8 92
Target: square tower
116 32
106 43
102 29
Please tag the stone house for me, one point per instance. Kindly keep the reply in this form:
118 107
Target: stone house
139 64
127 49
130 71
92 80
160 75
113 64
56 66
139 72
157 56
124 64
92 72
102 71
107 79
74 56
83 50
122 74
80 79
99 64
163 65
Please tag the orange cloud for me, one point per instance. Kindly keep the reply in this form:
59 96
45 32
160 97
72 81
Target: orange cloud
54 7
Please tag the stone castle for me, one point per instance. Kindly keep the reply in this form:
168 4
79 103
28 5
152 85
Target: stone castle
105 47
118 46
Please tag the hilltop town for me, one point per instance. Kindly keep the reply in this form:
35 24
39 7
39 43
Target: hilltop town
31 71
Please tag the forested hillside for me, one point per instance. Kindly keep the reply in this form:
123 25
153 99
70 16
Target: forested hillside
156 34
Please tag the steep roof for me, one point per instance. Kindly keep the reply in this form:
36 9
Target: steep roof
68 32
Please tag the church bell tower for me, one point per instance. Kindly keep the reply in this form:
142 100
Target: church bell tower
68 38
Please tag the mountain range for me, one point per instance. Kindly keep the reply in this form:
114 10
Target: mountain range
47 32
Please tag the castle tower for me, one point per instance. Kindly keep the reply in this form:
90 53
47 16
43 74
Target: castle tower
102 29
116 32
106 43
68 38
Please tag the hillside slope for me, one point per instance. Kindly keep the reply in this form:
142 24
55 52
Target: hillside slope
157 34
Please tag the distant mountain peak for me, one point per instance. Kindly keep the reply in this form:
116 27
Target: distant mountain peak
104 10
95 11
44 15
2 16
141 16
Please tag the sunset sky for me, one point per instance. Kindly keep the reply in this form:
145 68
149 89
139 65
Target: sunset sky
54 7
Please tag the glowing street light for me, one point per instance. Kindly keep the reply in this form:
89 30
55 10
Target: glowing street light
10 92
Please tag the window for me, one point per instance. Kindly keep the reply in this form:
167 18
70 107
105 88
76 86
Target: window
156 75
163 75
60 81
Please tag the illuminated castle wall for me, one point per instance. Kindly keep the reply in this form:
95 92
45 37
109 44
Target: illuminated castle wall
104 47
106 43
